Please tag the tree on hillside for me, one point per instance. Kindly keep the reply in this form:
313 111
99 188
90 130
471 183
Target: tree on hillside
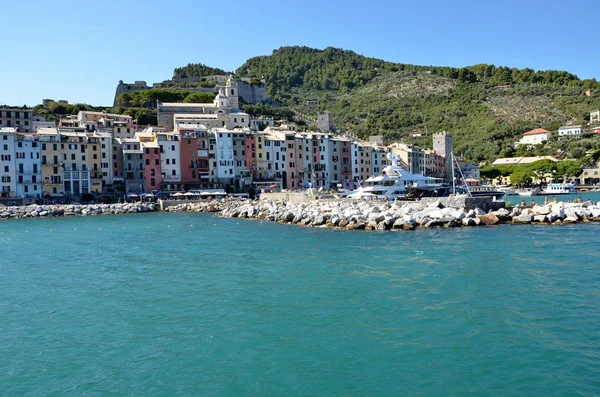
199 97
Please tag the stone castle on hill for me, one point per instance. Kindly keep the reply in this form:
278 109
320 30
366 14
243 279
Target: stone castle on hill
248 89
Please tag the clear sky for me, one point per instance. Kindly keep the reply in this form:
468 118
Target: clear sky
79 50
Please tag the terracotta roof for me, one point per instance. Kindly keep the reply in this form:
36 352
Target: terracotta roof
537 131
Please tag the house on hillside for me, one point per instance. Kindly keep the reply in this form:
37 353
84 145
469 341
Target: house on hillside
571 130
521 160
470 171
534 137
595 117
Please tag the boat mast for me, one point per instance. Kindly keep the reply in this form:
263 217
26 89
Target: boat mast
453 177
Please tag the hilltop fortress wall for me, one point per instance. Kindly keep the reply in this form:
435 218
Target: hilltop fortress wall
248 89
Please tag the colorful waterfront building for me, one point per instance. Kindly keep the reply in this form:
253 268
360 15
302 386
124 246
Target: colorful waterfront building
152 160
94 156
223 150
74 158
346 163
194 152
52 166
28 167
170 160
106 157
133 165
8 176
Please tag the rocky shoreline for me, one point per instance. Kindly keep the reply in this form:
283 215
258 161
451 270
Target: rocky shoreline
341 214
373 215
55 210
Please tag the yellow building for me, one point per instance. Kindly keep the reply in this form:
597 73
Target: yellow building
261 158
94 156
51 162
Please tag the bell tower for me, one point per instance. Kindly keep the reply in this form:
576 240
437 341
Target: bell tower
231 91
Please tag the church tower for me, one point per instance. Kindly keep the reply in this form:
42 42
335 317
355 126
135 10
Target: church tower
231 90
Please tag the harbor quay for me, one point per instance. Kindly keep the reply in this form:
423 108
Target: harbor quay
342 213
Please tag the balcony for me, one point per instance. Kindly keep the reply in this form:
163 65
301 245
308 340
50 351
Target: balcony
171 178
29 172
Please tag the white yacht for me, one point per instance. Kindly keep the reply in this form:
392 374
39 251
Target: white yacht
394 182
558 188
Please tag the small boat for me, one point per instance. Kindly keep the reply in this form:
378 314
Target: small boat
528 192
507 189
481 191
558 188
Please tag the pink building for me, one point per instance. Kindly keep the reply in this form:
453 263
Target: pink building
151 158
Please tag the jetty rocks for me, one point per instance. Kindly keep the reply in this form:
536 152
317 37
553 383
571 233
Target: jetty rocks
41 211
377 215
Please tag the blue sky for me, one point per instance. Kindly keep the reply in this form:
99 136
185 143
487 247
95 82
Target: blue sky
79 50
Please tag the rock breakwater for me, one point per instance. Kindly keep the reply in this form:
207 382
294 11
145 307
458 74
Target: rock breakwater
54 210
374 215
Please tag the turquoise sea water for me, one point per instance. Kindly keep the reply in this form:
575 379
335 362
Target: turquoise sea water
585 196
191 304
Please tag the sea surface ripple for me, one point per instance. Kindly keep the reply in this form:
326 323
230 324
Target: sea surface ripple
192 304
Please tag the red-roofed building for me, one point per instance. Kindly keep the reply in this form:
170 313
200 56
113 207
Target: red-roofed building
535 136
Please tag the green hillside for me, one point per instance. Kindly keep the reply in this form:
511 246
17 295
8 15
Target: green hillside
486 107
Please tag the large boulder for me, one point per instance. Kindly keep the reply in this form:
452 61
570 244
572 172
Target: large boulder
540 218
489 219
523 218
502 214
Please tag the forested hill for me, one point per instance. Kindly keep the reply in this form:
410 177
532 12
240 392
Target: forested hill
196 70
486 107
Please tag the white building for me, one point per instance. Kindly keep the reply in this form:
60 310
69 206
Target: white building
259 123
28 168
222 113
573 130
534 137
170 159
8 176
354 161
470 171
224 170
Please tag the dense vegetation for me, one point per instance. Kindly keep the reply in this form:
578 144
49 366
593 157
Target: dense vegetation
55 110
196 70
148 98
526 174
486 107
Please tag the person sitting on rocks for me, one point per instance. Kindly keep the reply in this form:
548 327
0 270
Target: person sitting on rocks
546 200
532 204
523 204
